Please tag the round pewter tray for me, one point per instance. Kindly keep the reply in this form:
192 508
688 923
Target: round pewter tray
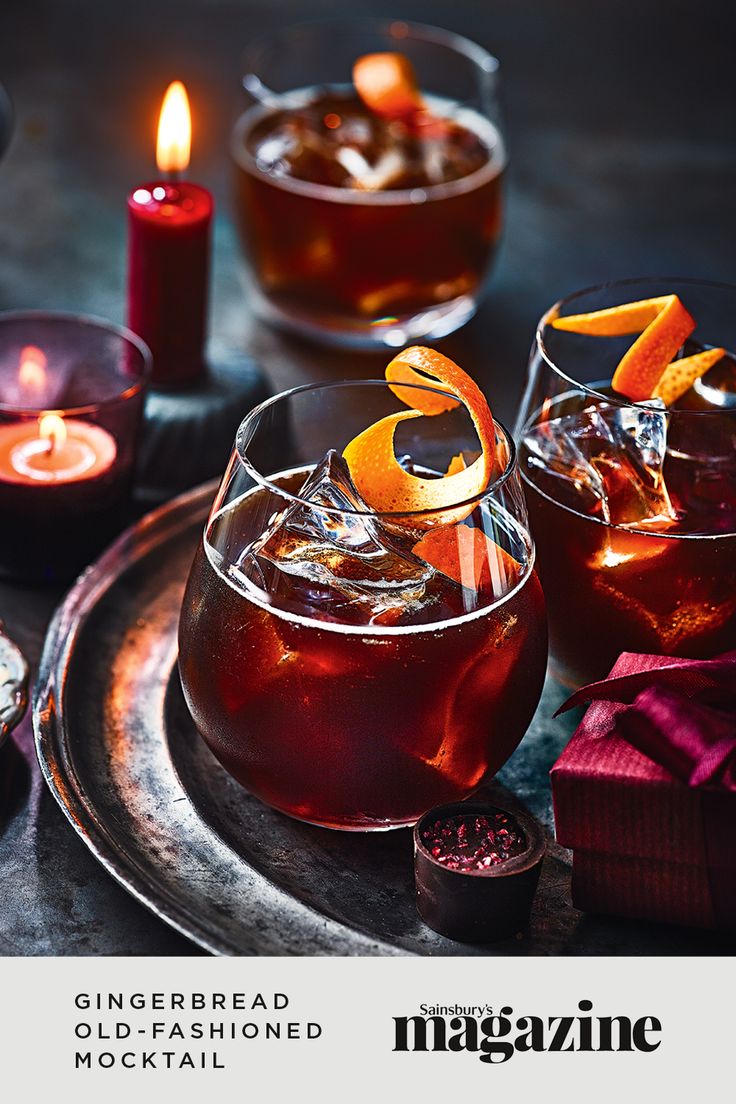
122 757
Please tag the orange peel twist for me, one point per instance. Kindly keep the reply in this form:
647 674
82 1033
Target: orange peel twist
371 457
470 557
387 85
647 369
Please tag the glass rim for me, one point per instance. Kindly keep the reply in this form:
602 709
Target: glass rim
90 321
492 486
427 32
485 62
615 400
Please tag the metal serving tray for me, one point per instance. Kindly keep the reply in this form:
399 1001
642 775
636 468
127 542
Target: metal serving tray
122 757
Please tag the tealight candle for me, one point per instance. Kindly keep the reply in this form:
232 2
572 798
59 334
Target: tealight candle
71 396
168 254
57 451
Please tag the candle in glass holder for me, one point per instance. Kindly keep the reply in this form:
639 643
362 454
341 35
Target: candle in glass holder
169 224
70 409
55 452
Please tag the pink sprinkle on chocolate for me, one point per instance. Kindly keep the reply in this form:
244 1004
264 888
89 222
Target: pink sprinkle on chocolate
471 842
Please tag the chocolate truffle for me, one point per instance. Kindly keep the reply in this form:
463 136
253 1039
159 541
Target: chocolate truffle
477 868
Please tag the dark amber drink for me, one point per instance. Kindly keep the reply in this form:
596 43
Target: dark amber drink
364 230
632 506
611 589
367 262
340 679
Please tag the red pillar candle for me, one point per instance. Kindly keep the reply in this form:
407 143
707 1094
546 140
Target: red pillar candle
168 254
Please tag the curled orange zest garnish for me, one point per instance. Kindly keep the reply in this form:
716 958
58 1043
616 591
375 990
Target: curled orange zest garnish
470 557
387 84
371 457
663 324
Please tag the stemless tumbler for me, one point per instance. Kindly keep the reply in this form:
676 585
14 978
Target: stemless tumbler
632 505
337 676
353 231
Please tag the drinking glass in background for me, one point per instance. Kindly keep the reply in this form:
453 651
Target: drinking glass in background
338 676
632 505
357 230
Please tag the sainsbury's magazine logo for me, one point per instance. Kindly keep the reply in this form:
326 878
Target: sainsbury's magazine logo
496 1036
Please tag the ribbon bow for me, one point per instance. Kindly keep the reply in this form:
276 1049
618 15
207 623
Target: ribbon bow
680 713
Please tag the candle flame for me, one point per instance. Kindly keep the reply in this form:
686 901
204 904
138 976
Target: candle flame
174 142
52 428
32 369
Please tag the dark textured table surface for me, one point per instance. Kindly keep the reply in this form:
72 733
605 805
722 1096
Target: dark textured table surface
619 117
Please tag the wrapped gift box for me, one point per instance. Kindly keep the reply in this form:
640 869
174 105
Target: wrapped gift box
645 843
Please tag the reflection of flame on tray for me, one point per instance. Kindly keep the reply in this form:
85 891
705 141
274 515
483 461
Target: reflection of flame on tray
13 685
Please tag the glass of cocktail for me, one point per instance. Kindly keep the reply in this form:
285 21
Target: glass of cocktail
368 174
630 474
353 664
